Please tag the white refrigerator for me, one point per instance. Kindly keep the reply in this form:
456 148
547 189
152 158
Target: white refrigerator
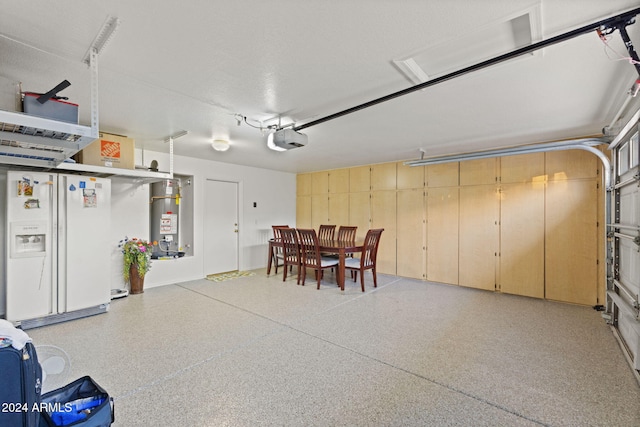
59 247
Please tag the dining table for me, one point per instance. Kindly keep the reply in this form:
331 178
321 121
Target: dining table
341 248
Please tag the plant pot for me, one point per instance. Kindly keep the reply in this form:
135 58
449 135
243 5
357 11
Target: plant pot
136 282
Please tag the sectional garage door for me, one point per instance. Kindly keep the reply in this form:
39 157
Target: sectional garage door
624 245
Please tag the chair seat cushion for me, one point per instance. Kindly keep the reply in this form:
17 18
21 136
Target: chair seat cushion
327 262
352 263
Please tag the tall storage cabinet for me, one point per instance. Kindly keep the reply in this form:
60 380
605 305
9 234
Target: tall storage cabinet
524 225
522 219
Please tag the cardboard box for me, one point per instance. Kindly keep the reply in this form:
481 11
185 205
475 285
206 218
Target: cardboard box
113 151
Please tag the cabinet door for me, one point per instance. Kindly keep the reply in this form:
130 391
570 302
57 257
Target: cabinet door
360 212
339 209
303 212
410 234
319 182
339 181
571 164
303 184
319 210
360 179
383 215
522 168
442 175
383 176
571 247
409 176
479 232
442 234
478 172
522 239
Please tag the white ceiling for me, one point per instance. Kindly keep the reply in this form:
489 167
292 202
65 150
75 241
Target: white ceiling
194 65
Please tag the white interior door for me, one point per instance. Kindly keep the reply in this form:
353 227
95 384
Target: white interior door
221 227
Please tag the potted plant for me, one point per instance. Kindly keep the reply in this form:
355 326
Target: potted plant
137 261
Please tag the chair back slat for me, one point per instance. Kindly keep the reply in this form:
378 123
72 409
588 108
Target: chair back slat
276 231
326 232
309 248
347 233
291 249
370 249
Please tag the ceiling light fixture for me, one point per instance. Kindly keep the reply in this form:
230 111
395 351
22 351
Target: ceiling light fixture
220 145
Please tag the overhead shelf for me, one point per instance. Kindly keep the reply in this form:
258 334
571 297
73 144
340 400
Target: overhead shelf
34 141
37 142
104 172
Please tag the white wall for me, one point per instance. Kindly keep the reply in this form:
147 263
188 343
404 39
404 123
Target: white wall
274 193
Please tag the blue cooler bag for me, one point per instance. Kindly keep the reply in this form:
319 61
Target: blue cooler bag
80 403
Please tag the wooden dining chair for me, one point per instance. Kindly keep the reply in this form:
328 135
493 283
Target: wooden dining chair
367 260
277 253
326 232
290 252
311 257
347 233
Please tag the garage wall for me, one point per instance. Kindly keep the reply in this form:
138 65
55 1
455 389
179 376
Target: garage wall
526 225
273 193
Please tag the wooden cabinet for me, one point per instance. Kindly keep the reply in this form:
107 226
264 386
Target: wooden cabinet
442 234
303 212
478 172
523 224
383 177
409 176
383 215
319 210
410 234
360 212
338 209
478 239
522 168
571 164
359 179
521 260
571 232
319 182
303 184
442 175
339 181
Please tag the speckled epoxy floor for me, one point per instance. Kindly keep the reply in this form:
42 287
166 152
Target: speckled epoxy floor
257 351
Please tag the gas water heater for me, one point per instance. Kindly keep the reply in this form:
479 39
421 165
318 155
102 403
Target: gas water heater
165 207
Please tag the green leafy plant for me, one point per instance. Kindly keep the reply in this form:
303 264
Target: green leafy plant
136 251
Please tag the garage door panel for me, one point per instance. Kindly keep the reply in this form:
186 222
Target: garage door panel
625 213
629 205
629 265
